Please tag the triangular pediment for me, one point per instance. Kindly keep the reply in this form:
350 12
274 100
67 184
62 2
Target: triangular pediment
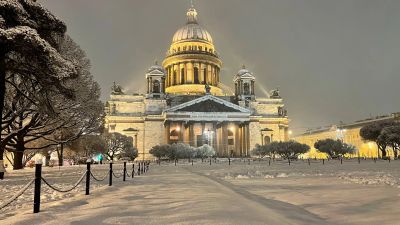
208 103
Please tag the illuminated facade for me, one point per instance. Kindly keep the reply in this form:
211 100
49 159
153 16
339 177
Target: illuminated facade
348 133
185 102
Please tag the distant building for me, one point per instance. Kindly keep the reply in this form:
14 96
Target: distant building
348 133
186 102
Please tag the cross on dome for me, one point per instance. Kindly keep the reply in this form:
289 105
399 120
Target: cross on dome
191 14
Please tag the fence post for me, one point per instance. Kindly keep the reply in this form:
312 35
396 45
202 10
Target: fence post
88 162
133 170
111 171
323 161
138 170
229 160
38 179
124 177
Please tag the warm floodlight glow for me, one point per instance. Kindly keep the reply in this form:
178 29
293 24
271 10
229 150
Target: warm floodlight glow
231 128
178 129
290 132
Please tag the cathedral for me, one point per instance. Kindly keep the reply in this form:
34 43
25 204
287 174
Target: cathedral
185 102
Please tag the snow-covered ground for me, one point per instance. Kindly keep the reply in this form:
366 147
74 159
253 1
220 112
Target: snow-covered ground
334 193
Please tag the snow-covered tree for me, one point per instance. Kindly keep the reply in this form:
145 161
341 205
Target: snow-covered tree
28 49
115 144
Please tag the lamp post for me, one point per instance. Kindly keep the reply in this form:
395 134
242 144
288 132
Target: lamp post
208 134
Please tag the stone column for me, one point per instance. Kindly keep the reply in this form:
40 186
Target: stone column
151 85
191 134
225 139
209 74
247 139
162 85
181 132
214 136
167 132
208 137
237 140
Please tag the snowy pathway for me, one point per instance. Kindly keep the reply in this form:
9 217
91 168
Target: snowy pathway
169 195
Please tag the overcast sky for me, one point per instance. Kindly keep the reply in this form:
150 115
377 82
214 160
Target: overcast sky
333 60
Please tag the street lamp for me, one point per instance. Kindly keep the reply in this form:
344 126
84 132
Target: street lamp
208 133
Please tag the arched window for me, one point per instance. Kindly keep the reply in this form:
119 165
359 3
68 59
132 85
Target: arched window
182 76
156 86
196 75
230 133
267 140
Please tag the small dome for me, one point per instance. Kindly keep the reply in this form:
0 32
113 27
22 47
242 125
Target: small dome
244 73
192 30
156 69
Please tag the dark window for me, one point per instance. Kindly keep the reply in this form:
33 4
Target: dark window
182 76
246 88
174 78
156 86
205 75
267 140
196 75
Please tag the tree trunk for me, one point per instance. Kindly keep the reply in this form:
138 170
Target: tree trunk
2 94
383 150
2 85
18 158
61 155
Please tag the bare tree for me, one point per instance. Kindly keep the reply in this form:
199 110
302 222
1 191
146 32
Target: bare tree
116 144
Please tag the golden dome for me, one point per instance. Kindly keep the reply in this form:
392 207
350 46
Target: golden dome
192 31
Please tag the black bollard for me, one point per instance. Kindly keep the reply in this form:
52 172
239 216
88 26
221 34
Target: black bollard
359 161
288 161
323 161
269 162
138 170
133 170
308 161
38 179
341 161
374 160
110 172
124 177
192 162
389 159
210 160
175 162
229 160
88 162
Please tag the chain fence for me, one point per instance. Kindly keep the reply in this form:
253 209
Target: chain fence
18 194
67 190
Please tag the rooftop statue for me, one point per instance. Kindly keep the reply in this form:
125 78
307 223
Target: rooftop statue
208 89
275 94
116 89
